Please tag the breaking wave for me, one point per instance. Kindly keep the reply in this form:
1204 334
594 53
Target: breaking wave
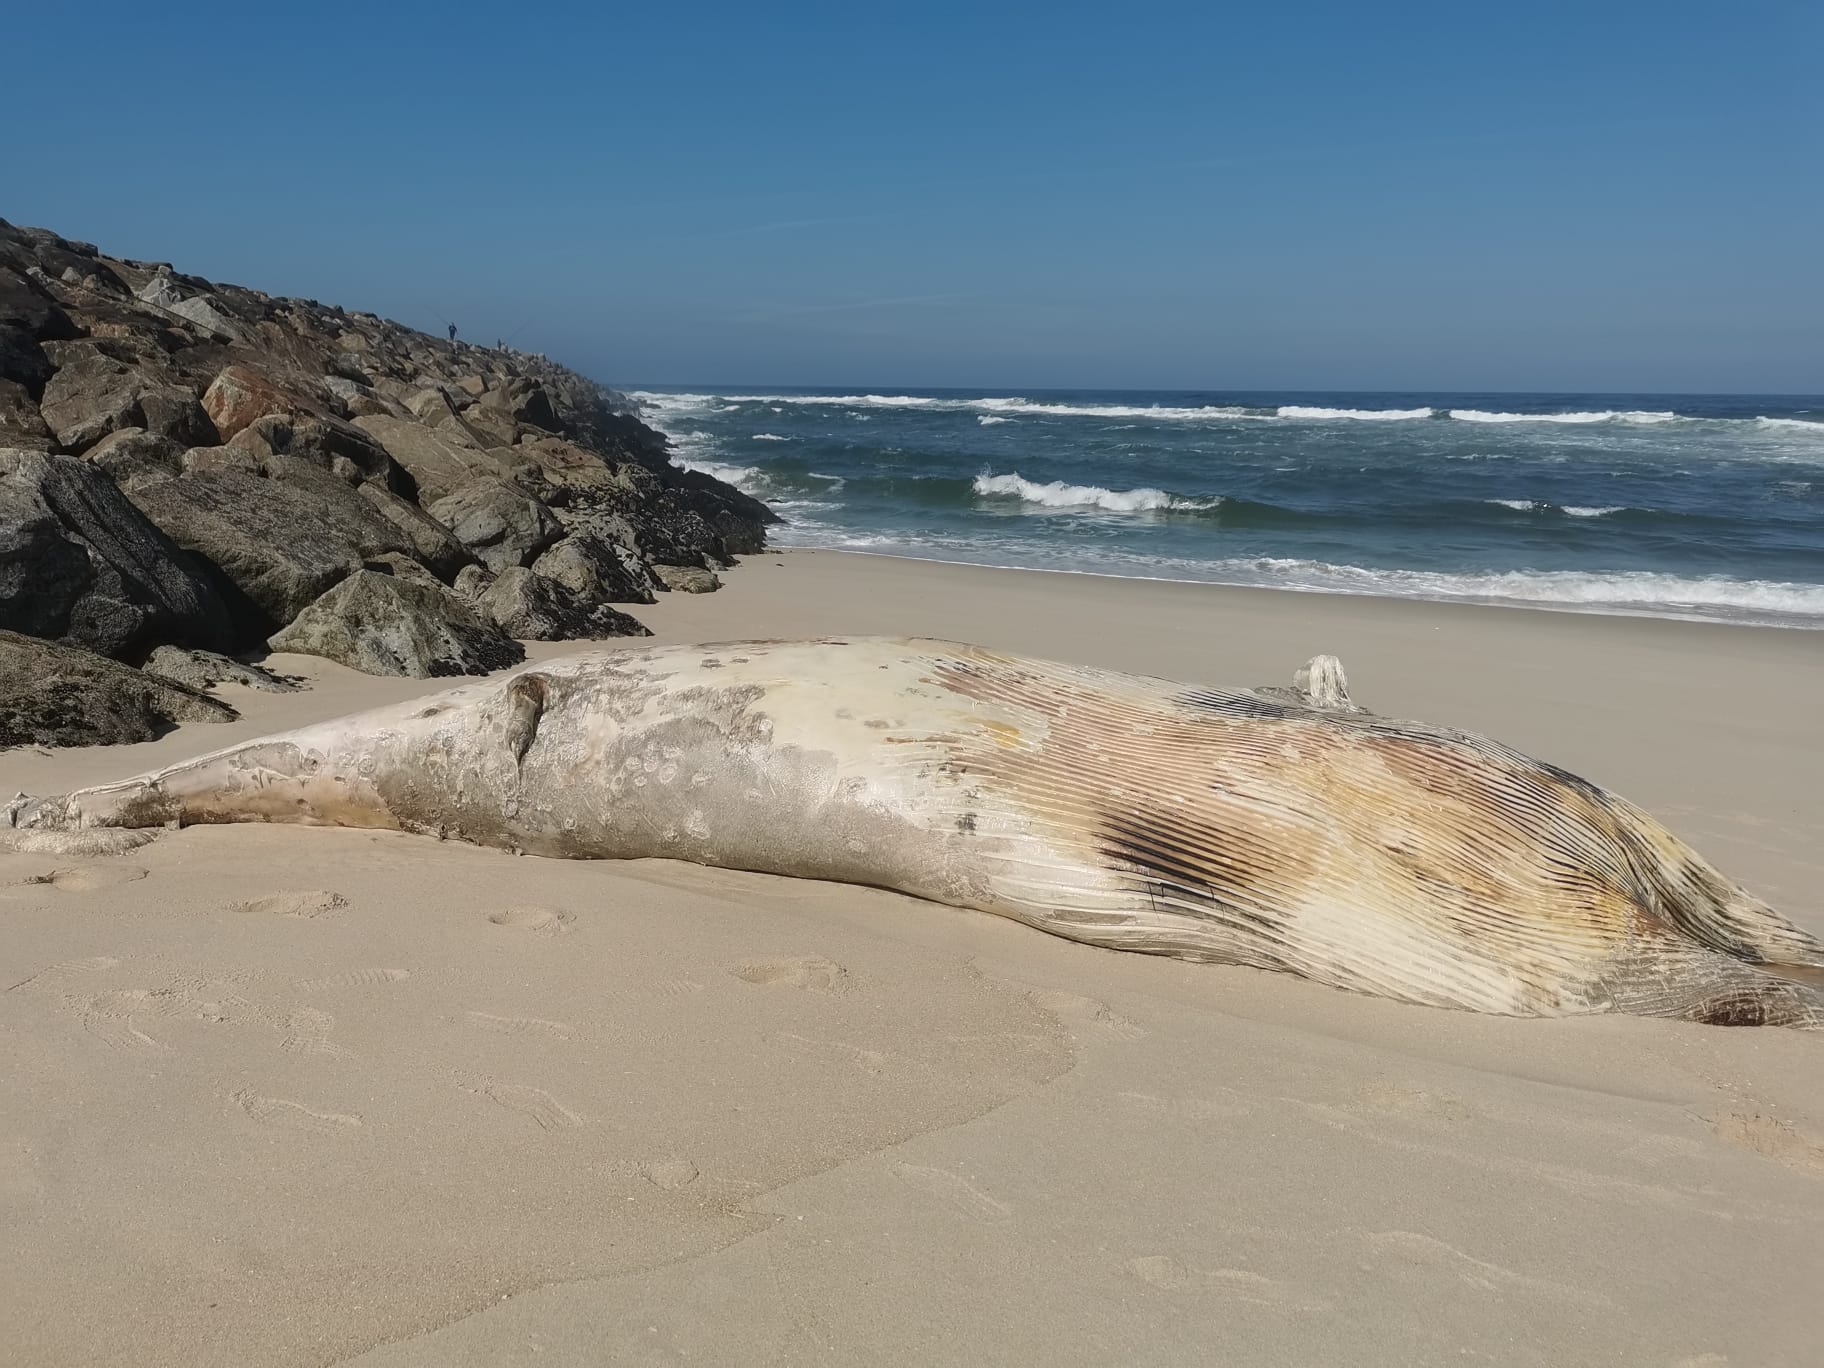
1360 415
1057 494
1569 510
1591 416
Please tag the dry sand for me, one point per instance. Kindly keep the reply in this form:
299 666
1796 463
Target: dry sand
278 1096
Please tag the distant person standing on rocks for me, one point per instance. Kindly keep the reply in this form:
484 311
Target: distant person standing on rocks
452 332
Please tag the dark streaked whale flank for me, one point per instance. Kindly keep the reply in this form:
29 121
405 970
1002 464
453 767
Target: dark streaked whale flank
1278 828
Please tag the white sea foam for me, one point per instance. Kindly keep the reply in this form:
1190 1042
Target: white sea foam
1157 412
1360 415
1570 510
991 405
1631 593
987 419
1057 494
769 437
747 479
996 406
1592 416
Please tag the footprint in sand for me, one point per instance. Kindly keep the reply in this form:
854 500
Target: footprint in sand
536 1103
295 1116
1394 1249
87 878
955 1192
310 903
1190 1109
809 972
521 1026
543 920
1778 1140
109 1018
1237 1284
54 975
355 978
670 1174
1086 1011
307 1032
833 1051
1162 1270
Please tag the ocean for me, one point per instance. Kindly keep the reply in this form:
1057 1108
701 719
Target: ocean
1689 506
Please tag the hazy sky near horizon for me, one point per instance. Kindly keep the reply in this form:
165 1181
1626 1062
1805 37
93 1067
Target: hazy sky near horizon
1591 196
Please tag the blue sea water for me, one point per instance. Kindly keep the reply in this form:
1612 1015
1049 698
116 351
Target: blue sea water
1700 506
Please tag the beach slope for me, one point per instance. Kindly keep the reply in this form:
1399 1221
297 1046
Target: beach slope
310 1097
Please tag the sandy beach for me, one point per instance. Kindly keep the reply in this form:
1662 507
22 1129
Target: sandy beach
305 1097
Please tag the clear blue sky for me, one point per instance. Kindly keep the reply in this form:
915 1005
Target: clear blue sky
1295 195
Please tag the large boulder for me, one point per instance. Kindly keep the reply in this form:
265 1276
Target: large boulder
687 579
524 604
21 425
54 695
102 387
441 461
502 526
430 541
162 293
240 394
204 670
387 625
524 401
79 563
133 457
597 569
28 317
336 446
281 542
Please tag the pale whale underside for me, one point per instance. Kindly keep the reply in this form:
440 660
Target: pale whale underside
1278 828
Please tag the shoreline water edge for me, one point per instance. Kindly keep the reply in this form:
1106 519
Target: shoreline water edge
1689 507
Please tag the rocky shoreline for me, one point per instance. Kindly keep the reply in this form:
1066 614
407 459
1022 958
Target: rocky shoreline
210 468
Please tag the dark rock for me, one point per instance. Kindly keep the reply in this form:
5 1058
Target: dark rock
288 444
100 388
54 695
403 567
499 524
21 425
524 401
472 582
79 563
430 541
597 569
28 317
687 579
336 446
524 604
206 669
386 625
673 534
280 542
133 457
